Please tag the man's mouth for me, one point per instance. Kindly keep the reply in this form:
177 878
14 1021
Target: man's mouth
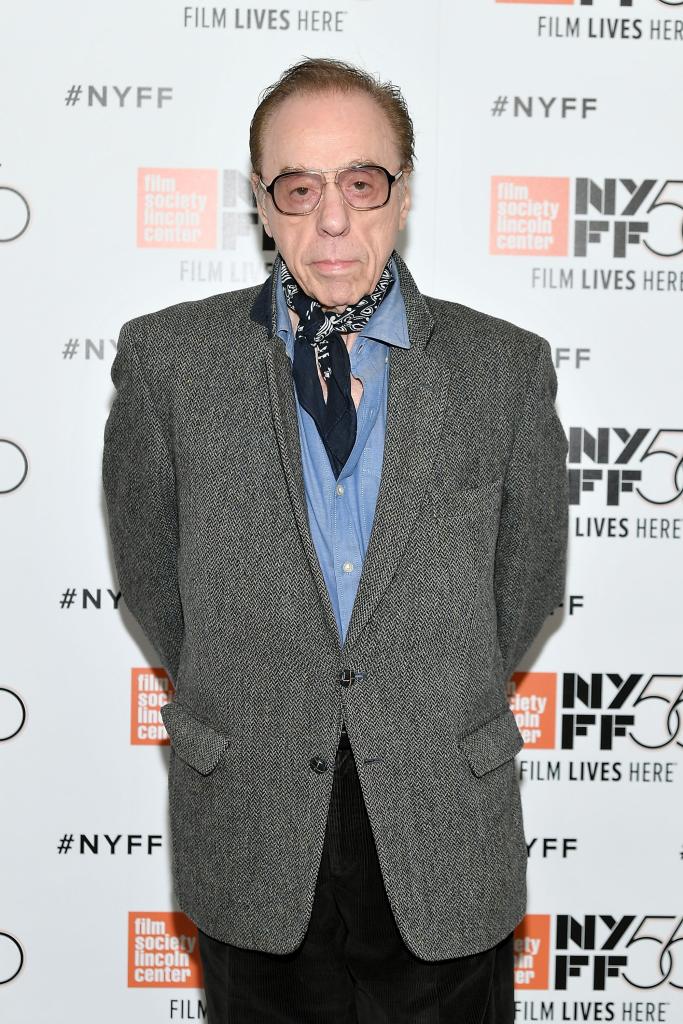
332 264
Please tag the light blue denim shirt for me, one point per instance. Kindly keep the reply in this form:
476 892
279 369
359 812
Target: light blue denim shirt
341 511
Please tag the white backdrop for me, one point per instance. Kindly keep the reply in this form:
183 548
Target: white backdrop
549 191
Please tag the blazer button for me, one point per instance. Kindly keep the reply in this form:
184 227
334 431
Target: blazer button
349 676
318 764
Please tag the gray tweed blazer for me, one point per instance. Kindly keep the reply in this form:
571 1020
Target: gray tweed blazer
208 521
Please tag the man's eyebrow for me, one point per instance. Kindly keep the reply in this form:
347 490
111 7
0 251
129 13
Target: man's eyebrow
301 167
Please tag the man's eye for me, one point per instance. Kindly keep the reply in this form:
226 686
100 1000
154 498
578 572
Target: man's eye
302 190
360 186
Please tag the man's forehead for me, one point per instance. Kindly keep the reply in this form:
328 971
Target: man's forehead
326 130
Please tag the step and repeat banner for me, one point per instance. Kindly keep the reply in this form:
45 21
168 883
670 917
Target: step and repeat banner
549 191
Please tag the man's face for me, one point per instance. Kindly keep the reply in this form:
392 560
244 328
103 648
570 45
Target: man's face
335 253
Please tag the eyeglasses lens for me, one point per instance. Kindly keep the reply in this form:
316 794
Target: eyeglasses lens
362 187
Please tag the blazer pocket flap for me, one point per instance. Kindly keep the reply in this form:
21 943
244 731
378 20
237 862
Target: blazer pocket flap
196 743
492 743
466 502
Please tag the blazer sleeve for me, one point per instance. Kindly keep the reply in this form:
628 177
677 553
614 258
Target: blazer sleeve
531 550
139 485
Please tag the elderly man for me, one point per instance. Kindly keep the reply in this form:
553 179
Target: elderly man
338 509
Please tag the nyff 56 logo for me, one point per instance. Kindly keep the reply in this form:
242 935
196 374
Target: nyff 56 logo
533 216
557 950
647 462
599 710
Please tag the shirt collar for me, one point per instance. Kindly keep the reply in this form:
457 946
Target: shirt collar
388 323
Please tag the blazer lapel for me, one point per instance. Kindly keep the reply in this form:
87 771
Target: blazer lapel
286 424
283 405
416 402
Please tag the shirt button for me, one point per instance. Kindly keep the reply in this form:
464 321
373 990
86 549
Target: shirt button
340 488
347 566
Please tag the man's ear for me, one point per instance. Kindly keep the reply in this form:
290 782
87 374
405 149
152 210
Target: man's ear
260 197
405 201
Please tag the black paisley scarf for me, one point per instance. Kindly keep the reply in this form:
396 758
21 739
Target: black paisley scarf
321 331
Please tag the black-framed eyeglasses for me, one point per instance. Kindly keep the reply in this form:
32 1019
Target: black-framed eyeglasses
362 187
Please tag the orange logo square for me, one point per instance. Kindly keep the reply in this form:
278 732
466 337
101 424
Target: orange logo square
150 690
177 208
533 703
529 216
163 950
531 945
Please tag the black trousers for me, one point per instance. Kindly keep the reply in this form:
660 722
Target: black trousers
352 966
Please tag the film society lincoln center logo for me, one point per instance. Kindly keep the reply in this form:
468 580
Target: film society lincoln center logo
190 208
150 689
163 950
580 217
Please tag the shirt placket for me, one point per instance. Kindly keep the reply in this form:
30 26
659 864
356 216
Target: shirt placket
348 555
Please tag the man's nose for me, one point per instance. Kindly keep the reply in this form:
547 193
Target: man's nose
332 212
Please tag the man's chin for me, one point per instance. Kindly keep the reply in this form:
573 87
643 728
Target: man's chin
336 290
